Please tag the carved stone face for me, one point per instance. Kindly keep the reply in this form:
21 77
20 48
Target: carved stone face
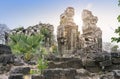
70 12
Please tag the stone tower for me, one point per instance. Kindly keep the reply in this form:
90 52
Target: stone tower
67 32
91 33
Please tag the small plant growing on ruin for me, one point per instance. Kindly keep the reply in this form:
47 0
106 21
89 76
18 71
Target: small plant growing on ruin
42 64
53 49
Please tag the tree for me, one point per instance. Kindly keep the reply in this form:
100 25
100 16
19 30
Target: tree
117 31
115 48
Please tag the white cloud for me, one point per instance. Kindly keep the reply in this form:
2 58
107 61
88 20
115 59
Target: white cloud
89 6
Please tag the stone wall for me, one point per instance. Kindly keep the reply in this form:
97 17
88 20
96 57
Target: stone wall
6 59
36 29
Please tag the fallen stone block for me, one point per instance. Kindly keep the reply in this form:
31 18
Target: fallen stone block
16 76
106 63
99 58
115 55
89 63
37 77
75 63
57 65
7 59
116 60
112 67
4 69
102 57
20 70
116 73
83 72
94 69
108 75
5 49
60 73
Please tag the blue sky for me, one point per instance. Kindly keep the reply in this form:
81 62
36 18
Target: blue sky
15 13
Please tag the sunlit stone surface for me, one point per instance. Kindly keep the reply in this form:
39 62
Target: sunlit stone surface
69 38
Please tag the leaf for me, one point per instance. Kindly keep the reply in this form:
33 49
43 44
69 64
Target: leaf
118 18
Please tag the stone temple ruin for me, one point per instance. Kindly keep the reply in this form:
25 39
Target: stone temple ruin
70 39
93 63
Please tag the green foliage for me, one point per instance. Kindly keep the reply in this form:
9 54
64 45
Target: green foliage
117 31
118 18
28 45
43 51
53 49
17 44
45 32
22 44
114 48
34 72
119 2
47 36
42 64
116 39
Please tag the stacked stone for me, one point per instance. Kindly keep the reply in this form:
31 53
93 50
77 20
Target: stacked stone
115 74
91 33
60 73
97 62
6 58
115 58
91 65
37 77
65 63
19 73
103 60
33 30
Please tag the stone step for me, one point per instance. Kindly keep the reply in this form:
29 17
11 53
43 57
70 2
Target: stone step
16 76
20 70
62 59
7 59
75 63
37 77
115 55
106 63
59 73
112 67
116 60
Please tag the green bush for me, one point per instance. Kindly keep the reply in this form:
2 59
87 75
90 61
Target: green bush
41 65
23 44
